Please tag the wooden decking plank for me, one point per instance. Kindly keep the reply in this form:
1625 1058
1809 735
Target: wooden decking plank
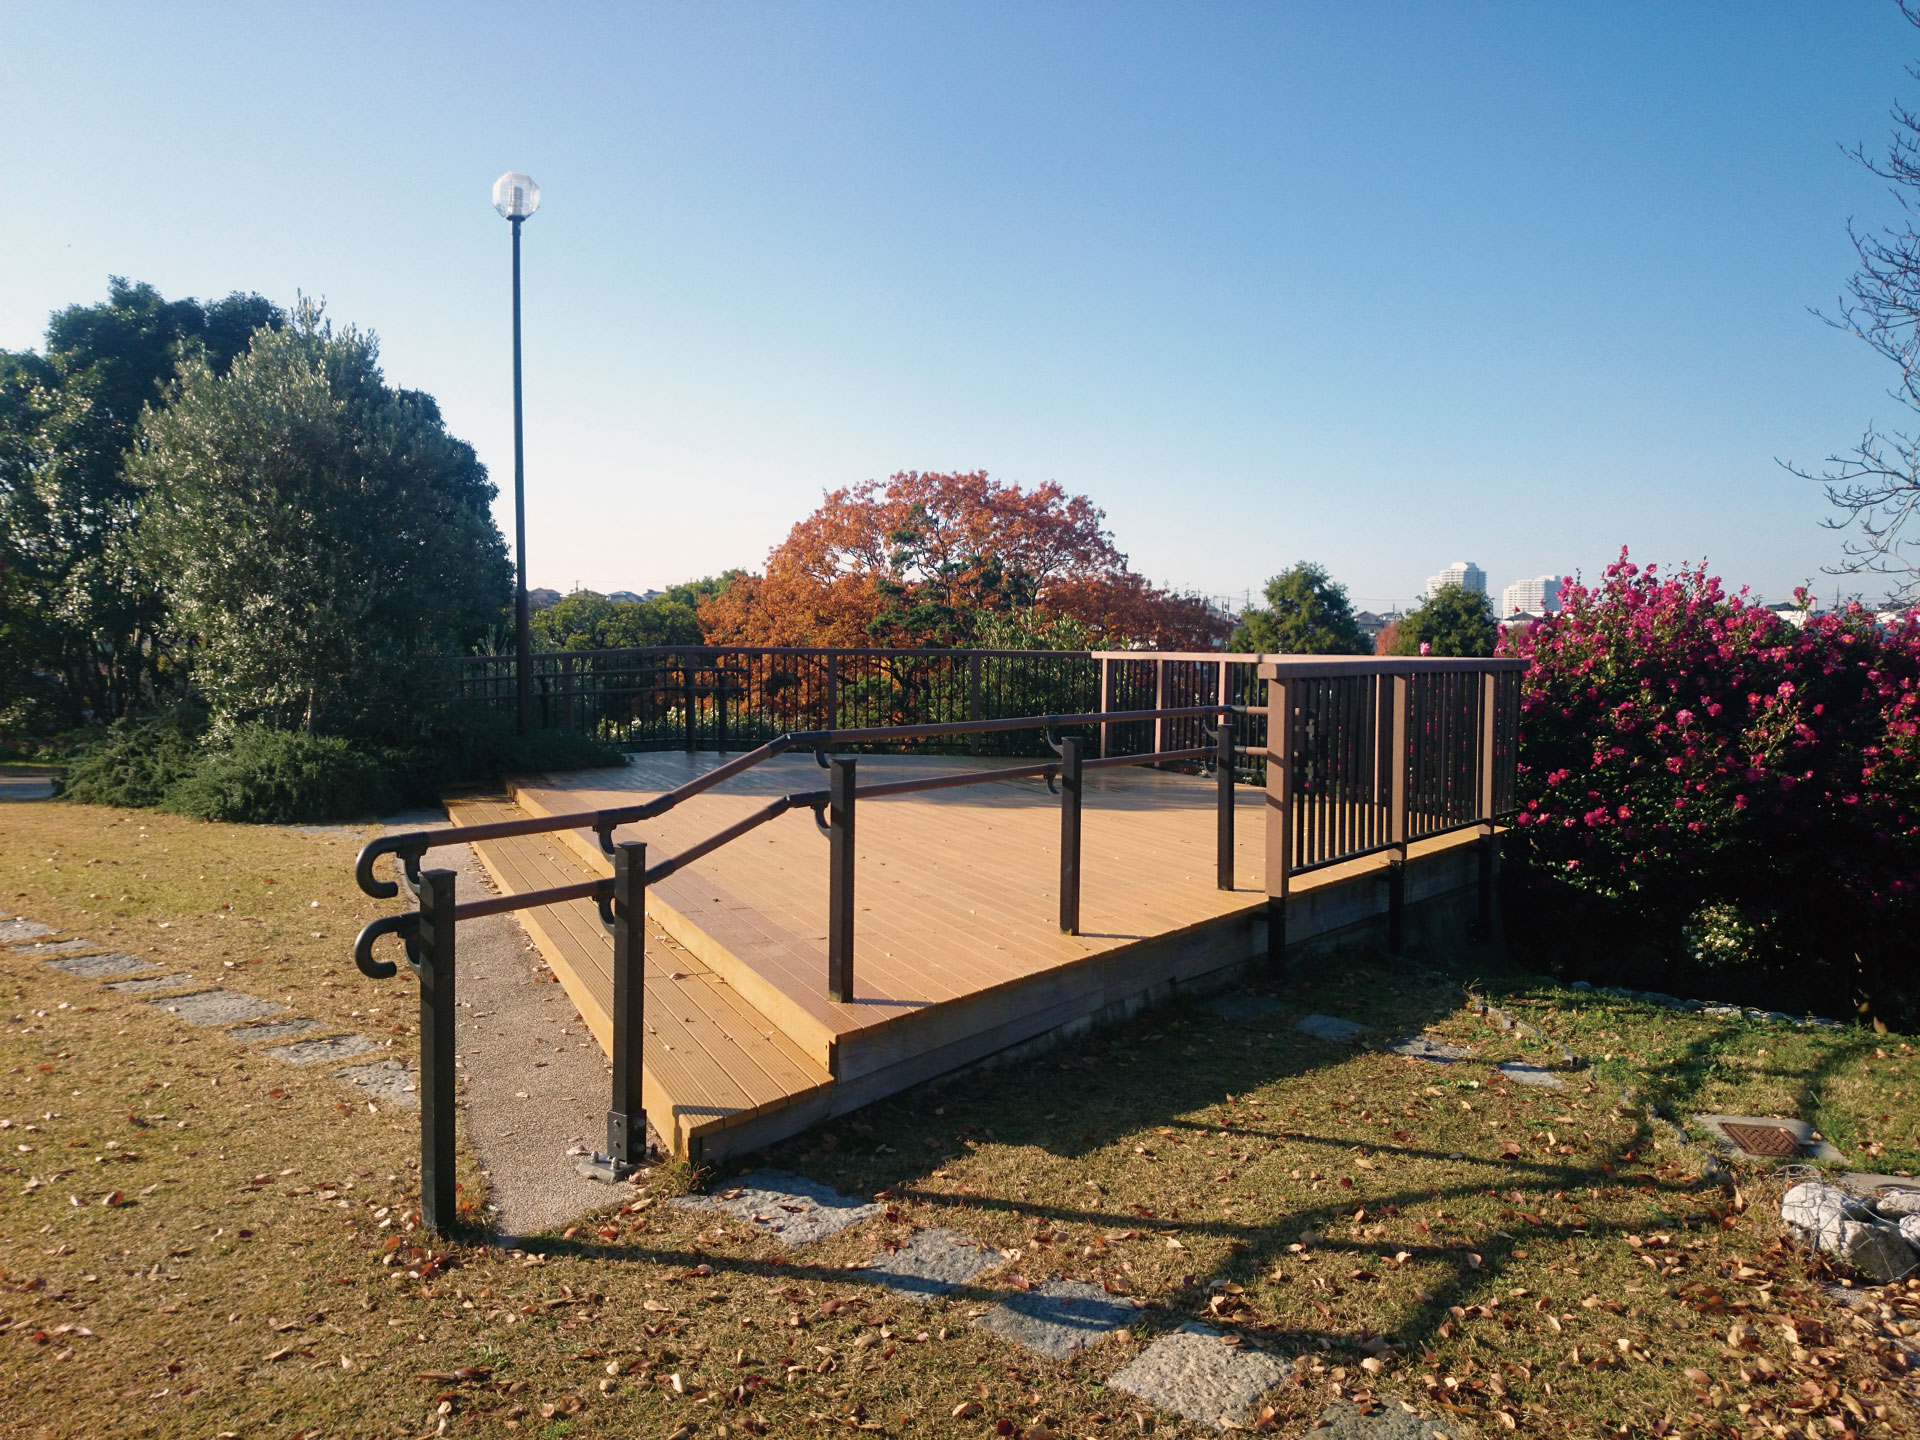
921 879
709 1057
957 893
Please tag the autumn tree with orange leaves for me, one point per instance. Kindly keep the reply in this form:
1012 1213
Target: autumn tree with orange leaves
936 560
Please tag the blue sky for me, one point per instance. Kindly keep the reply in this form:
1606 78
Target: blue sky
1383 286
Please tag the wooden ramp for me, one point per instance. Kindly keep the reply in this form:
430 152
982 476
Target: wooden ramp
958 954
711 1061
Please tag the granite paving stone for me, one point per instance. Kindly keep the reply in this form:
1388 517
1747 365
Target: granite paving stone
1241 1007
217 1007
273 1030
931 1263
793 1209
312 1052
1329 1027
1425 1047
150 984
1530 1075
98 967
1382 1421
21 928
387 1081
1193 1373
57 947
1058 1319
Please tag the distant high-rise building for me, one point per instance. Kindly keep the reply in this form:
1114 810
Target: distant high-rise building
1464 573
1538 596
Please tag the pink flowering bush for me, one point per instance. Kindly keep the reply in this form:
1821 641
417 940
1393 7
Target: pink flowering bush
1735 794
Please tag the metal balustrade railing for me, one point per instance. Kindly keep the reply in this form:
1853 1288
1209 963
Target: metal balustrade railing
1358 757
1370 756
428 932
724 698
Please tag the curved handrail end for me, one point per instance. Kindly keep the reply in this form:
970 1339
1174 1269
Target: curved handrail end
363 959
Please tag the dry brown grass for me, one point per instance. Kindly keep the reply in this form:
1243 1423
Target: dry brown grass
1409 1230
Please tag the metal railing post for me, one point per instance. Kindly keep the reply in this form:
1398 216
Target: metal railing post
1161 702
626 1113
832 721
840 866
566 693
1106 704
1279 812
976 703
1072 781
1483 910
434 967
686 695
1397 813
1223 797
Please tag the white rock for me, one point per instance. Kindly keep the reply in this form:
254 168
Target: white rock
1896 1203
1875 1250
1910 1230
1818 1211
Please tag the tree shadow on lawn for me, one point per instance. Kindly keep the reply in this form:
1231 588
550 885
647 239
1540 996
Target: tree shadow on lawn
1725 1052
1009 1107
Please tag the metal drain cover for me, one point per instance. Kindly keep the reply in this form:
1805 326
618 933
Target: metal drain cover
1773 1141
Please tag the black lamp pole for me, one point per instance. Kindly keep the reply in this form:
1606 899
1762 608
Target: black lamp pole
522 634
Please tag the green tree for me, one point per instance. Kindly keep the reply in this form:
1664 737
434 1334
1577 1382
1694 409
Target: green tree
694 593
83 633
1453 621
1307 613
587 620
319 534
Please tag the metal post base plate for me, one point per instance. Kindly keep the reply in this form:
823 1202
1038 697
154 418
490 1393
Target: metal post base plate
604 1168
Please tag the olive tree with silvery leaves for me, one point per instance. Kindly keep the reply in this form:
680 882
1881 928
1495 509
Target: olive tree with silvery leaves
319 534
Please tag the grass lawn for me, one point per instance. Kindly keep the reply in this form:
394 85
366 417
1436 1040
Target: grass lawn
1510 1259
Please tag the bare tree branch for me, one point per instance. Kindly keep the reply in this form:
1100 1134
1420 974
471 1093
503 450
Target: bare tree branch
1875 487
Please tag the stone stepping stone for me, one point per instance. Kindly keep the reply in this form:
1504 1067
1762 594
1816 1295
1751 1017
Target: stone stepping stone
272 1030
98 967
1058 1319
1425 1047
1384 1421
1530 1075
387 1081
1768 1136
57 947
794 1210
931 1263
217 1007
1241 1007
150 984
1195 1375
1329 1027
21 928
313 1052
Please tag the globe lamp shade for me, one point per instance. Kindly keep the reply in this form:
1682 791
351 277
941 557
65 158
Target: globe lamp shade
515 196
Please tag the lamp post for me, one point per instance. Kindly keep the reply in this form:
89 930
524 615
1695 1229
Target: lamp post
516 197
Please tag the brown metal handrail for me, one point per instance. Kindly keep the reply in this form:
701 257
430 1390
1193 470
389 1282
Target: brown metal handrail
428 933
410 846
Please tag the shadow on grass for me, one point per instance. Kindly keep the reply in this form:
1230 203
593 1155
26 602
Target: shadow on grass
1029 1104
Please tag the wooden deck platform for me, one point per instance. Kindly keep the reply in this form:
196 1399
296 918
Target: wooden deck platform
958 955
